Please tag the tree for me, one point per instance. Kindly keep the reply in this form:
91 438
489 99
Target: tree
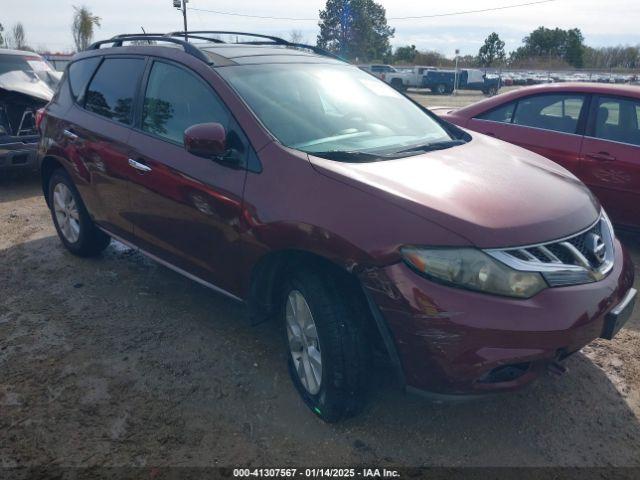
492 51
566 45
83 26
405 54
1 38
18 37
296 36
355 29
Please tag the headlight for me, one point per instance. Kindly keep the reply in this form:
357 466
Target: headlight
472 269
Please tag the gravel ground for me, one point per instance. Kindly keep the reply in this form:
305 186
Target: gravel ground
117 361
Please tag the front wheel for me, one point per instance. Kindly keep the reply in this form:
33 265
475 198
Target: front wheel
441 89
75 228
327 344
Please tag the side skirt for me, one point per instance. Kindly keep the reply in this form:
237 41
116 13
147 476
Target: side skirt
182 272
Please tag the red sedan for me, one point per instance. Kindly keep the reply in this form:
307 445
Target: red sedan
593 130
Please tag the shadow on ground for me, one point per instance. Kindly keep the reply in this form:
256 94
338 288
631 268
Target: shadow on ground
118 361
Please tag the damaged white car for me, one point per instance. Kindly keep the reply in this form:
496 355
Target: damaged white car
27 83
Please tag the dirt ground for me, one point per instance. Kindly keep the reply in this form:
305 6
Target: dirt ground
117 361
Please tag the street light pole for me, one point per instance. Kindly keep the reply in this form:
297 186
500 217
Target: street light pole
184 15
455 77
182 4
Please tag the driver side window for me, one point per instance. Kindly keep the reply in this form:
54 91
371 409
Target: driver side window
175 100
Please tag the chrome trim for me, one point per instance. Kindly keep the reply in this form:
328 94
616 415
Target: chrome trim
70 135
182 272
555 271
139 166
628 298
525 126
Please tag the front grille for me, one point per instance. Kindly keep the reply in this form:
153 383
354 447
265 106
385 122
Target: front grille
581 258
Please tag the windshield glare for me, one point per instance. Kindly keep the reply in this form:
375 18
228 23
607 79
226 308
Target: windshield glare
320 108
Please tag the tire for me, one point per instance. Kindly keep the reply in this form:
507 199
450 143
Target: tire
441 89
341 342
398 85
75 228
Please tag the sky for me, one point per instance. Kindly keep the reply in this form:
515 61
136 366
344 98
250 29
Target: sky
603 22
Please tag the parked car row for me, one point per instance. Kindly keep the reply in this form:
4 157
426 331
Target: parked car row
521 78
287 179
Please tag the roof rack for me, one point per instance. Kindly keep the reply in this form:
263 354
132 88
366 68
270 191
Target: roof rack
191 49
263 40
130 37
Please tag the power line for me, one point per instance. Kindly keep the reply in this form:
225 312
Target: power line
417 17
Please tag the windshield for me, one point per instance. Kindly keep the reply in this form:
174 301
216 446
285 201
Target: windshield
320 109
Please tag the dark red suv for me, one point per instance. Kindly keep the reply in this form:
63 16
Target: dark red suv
290 180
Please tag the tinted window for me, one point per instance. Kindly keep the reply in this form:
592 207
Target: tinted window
175 100
113 88
617 119
551 112
80 73
502 114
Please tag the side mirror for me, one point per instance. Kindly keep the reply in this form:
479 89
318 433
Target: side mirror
208 140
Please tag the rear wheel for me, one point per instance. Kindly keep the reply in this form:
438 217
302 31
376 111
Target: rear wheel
75 228
441 89
398 85
327 344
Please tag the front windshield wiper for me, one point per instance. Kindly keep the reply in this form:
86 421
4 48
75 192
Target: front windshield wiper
347 155
429 147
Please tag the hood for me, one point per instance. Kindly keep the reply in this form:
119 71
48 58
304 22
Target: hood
29 83
492 193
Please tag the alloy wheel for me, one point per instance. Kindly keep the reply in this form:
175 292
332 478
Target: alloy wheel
303 342
67 214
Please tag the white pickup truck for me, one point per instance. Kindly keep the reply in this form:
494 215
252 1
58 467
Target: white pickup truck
399 78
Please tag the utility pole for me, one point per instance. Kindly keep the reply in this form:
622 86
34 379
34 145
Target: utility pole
455 76
183 5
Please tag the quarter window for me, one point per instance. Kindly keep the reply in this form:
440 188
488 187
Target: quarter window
113 88
618 119
80 73
175 100
550 112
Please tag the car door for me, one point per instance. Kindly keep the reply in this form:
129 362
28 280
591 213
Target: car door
96 134
548 124
611 157
185 208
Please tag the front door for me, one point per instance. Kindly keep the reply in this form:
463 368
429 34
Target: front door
548 124
611 157
185 209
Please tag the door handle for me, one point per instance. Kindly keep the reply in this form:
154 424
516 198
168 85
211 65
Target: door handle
491 134
139 166
603 156
70 135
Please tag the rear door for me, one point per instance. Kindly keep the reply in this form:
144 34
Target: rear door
96 135
186 209
611 152
548 124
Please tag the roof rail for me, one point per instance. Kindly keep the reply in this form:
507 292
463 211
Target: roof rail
130 37
263 40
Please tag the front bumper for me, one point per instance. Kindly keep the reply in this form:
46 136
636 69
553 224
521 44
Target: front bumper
454 341
18 155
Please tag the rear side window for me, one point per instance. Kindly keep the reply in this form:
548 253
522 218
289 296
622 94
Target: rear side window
175 100
550 112
617 119
502 114
80 73
113 88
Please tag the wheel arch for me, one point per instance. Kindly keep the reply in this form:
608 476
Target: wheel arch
48 165
269 272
